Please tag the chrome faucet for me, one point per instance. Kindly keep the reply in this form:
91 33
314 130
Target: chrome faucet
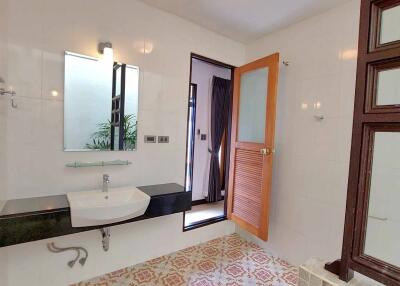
106 181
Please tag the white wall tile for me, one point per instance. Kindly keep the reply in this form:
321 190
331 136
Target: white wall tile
130 244
312 159
33 38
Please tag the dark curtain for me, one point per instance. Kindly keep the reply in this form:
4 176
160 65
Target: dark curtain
220 103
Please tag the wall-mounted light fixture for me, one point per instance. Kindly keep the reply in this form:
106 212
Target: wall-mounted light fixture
105 48
102 46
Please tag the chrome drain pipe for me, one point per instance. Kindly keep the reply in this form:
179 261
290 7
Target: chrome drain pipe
105 235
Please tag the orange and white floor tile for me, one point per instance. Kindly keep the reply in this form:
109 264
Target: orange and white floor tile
229 260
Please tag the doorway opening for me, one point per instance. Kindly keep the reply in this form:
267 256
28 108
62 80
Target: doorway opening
208 140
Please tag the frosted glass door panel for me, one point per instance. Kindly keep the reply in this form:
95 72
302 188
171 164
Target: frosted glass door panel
383 225
390 25
253 106
388 90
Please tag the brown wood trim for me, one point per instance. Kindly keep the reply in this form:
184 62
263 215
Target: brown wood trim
364 192
377 7
245 225
370 263
346 272
228 146
372 86
235 113
211 61
334 266
250 145
366 121
270 141
374 273
380 117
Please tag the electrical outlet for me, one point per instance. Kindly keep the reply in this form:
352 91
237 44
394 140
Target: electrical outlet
163 139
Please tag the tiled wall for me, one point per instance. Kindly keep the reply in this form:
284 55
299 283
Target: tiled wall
312 156
3 103
312 273
38 32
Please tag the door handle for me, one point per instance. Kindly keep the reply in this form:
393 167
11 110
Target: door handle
267 151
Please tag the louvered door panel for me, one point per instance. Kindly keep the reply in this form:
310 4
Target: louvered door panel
247 186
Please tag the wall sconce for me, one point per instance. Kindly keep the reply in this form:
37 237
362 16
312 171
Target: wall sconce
102 46
105 48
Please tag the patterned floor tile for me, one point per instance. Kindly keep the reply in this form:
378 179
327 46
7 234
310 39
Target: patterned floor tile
225 261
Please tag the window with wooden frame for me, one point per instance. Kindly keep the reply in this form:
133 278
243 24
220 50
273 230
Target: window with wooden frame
371 244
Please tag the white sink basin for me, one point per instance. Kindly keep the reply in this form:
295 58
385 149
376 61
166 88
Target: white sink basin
90 208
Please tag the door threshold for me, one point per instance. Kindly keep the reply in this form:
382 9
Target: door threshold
205 222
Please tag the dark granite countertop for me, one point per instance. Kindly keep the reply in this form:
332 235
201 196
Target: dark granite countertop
30 206
30 219
37 205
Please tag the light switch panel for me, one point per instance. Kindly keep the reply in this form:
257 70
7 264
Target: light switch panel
150 139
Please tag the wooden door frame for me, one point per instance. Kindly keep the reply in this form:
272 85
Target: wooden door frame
367 119
272 90
227 154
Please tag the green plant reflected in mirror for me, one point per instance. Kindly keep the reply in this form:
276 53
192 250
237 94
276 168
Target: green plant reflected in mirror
100 104
101 139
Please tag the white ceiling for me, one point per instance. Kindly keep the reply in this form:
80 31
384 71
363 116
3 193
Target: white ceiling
244 20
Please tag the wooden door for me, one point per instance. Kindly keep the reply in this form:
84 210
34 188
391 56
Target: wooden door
252 144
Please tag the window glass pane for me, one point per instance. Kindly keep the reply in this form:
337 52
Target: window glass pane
390 25
388 87
252 109
383 224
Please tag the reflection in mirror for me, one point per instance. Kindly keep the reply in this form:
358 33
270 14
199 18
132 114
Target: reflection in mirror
390 25
383 224
388 87
100 104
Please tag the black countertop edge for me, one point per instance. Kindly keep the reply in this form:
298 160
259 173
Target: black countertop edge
47 204
38 219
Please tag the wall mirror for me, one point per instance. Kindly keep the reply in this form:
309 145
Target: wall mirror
100 104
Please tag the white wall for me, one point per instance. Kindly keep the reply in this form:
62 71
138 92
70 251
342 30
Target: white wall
3 128
311 163
312 157
33 264
3 101
202 74
38 32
